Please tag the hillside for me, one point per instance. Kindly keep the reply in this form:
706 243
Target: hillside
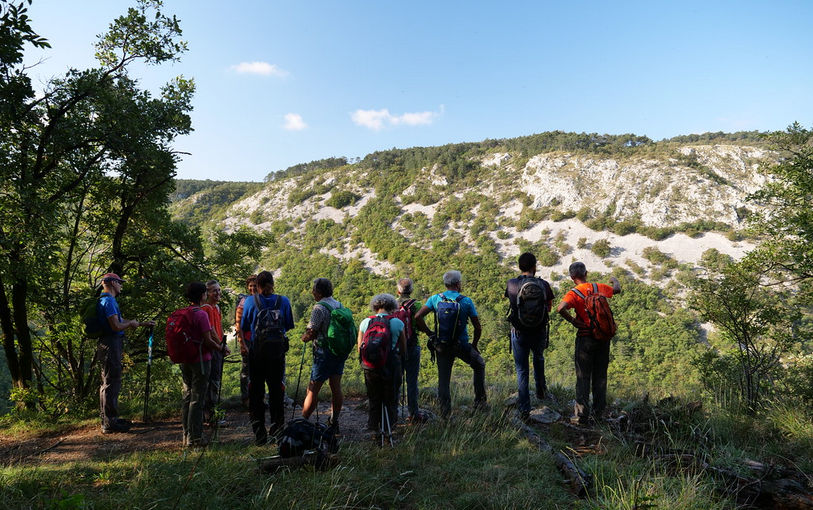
678 200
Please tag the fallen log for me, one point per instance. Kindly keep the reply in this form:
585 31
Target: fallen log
580 482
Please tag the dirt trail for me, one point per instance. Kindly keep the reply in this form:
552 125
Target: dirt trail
88 443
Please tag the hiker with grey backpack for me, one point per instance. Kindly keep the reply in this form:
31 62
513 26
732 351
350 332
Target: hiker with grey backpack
530 300
450 340
266 319
381 343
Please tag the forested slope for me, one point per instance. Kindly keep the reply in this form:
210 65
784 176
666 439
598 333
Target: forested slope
648 212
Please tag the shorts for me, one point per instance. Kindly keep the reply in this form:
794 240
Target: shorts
325 365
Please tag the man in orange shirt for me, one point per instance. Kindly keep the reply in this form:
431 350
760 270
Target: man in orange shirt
592 355
212 309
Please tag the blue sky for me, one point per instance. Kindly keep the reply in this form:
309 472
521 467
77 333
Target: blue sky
282 83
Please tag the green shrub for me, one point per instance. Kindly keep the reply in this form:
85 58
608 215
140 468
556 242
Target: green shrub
601 248
342 198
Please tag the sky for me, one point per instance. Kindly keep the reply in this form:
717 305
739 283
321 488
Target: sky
283 83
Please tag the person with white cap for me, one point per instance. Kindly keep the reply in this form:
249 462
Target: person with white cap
111 345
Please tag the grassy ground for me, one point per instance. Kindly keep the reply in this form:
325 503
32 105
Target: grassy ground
474 460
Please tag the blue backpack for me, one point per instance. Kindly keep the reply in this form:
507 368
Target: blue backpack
449 325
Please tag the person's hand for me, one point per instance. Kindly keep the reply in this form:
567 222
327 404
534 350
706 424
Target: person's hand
578 323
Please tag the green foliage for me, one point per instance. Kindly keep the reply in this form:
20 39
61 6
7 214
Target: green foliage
339 199
788 228
304 168
198 203
601 248
757 327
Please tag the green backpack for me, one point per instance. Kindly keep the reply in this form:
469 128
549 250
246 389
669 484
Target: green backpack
90 319
341 333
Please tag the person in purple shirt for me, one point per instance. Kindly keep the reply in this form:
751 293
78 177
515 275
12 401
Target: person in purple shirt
196 371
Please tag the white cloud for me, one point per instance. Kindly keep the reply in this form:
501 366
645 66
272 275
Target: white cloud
381 119
261 68
294 122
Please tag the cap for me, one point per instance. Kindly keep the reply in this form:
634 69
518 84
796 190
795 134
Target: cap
112 276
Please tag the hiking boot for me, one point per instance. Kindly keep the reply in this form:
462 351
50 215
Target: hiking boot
581 421
116 428
331 424
418 419
199 443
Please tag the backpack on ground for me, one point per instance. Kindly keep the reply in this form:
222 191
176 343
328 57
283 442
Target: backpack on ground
91 324
404 312
449 324
602 323
182 346
302 435
268 340
341 333
376 343
529 303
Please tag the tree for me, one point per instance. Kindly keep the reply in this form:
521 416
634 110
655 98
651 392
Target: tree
85 170
789 198
755 319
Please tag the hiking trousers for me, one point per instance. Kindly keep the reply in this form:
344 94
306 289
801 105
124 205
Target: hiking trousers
523 347
445 357
592 359
412 365
195 379
109 353
266 372
213 388
382 390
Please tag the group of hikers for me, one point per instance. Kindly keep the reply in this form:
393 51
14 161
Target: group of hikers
386 343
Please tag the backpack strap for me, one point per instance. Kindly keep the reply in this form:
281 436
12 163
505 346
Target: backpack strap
407 305
512 290
595 288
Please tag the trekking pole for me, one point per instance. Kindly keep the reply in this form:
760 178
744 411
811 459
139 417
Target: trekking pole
299 378
386 416
381 425
222 362
149 367
404 402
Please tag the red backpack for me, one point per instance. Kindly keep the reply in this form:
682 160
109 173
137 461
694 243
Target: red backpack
376 343
182 346
602 323
404 312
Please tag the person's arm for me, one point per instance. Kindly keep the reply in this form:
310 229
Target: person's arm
564 310
402 343
358 340
616 285
120 325
478 331
420 324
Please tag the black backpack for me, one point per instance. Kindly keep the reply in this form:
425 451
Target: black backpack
529 303
302 435
268 339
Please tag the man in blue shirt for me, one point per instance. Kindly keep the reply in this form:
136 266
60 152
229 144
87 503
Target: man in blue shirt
111 345
460 347
266 368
